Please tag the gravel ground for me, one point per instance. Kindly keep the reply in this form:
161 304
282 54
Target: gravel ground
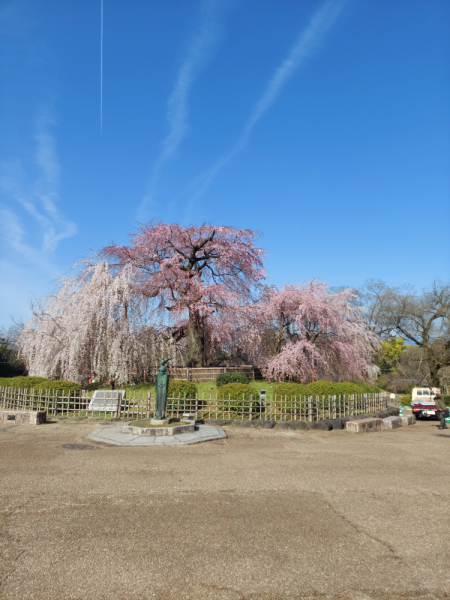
262 515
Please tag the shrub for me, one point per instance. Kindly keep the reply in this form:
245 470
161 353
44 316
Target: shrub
22 382
447 400
180 387
224 378
59 384
405 400
177 389
287 392
369 388
350 388
324 388
290 389
40 383
239 396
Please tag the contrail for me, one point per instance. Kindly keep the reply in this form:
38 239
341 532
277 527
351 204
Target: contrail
198 52
305 44
101 67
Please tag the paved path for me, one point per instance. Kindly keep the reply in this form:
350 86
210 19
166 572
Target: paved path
261 515
112 434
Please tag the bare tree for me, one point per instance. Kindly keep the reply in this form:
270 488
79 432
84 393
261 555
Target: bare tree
375 295
422 319
413 365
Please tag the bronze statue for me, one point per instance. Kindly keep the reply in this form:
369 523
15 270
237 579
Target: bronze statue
162 386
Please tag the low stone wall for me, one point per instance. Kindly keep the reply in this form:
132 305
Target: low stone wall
23 417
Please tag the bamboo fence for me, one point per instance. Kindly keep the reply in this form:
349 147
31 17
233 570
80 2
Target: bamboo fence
142 405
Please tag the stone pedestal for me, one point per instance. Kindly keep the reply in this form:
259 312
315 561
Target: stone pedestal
159 422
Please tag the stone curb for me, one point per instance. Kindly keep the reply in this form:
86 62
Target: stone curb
322 425
245 424
266 424
391 423
377 424
365 425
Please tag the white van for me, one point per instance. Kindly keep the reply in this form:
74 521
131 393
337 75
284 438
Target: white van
422 401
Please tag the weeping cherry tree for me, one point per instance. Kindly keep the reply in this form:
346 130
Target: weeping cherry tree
94 326
308 330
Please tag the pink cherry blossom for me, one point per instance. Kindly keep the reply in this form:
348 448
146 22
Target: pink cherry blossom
94 326
199 279
314 331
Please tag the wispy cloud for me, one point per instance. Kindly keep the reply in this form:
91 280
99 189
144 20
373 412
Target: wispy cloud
306 43
37 194
199 50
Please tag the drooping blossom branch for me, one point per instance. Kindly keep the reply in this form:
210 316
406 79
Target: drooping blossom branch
94 326
311 331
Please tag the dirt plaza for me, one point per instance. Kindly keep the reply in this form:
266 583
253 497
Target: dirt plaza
262 514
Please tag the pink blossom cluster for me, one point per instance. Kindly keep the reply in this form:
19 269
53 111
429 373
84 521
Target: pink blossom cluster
206 272
91 328
315 333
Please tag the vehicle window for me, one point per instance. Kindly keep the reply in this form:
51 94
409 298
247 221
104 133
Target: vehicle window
426 393
419 392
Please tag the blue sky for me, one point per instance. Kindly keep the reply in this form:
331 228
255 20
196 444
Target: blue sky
324 125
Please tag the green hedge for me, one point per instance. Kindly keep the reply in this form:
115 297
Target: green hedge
180 387
225 378
239 394
324 388
177 389
405 400
447 400
39 383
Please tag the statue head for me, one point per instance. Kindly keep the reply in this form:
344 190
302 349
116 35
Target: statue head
163 362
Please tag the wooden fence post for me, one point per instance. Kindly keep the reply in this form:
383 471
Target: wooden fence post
310 408
147 408
119 404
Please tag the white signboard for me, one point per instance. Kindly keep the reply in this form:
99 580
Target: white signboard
106 400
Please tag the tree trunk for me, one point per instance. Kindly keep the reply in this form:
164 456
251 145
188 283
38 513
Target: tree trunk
433 367
195 342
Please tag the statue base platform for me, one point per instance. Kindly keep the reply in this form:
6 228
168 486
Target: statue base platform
167 427
159 422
